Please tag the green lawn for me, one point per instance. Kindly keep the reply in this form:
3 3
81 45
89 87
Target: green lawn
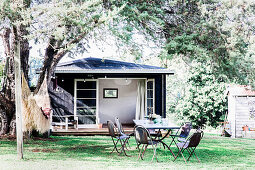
93 152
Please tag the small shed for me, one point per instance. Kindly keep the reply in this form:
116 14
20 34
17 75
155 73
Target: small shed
94 90
241 110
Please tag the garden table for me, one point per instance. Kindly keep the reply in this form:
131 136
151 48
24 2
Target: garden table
158 127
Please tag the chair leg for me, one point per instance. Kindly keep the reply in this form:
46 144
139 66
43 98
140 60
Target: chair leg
196 157
139 156
144 150
189 150
171 141
177 153
193 152
180 152
137 147
183 157
123 145
154 154
128 143
115 146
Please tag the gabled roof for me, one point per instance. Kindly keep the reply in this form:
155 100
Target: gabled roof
97 65
239 90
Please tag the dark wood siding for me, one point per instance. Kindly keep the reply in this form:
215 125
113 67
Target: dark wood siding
64 97
160 95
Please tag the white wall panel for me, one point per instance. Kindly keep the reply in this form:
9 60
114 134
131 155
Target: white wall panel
123 107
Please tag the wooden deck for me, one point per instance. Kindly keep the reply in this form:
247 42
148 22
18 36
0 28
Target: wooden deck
88 131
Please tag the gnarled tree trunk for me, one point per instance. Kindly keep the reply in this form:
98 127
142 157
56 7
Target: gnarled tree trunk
7 96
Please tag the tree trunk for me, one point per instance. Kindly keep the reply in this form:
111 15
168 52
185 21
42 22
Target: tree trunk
3 122
52 57
7 95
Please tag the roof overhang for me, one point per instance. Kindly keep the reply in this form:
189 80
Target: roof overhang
117 71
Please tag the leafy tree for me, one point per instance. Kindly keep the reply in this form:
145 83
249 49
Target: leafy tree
221 32
61 23
203 101
217 31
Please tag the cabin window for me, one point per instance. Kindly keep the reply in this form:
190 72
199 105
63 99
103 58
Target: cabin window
150 96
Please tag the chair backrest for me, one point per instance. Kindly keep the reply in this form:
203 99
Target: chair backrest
185 129
142 135
195 139
119 125
111 128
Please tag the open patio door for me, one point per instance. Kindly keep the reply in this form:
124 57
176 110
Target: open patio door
145 98
86 102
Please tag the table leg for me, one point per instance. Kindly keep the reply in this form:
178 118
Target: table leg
165 145
161 141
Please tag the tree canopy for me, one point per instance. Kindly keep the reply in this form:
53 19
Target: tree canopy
60 24
214 38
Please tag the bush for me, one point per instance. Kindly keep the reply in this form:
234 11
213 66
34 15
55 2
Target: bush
204 101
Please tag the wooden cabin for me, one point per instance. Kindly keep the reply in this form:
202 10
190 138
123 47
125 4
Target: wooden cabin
241 111
91 91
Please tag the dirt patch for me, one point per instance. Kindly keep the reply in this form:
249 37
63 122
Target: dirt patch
12 138
85 147
8 137
44 150
46 139
79 147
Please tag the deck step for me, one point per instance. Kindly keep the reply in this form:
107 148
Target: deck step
86 132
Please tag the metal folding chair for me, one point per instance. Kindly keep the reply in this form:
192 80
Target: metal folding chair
117 138
143 137
190 145
121 131
182 133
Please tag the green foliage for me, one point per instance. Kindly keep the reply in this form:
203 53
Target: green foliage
141 16
65 21
203 101
219 32
216 41
183 44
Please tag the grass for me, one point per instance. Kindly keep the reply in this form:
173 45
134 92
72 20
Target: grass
93 152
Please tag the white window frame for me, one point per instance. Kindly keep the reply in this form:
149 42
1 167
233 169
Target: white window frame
146 97
97 102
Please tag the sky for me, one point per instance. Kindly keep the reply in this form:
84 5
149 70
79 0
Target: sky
98 49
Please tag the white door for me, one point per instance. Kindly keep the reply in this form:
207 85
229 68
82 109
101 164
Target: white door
86 101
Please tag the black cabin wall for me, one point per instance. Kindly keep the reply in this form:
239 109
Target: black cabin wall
64 97
160 93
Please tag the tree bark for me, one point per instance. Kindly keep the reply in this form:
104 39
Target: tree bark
7 94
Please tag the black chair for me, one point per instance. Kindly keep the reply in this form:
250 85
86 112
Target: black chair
182 133
190 145
117 138
143 137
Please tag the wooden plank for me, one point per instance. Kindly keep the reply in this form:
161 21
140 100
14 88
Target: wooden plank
87 131
18 101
